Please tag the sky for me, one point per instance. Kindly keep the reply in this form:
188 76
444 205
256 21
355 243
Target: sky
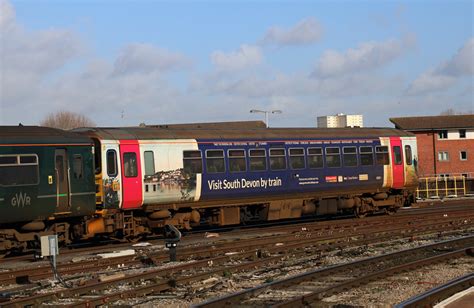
122 63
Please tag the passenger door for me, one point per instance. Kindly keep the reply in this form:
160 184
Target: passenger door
62 181
397 162
131 174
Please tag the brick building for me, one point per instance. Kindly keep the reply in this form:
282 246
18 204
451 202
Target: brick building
445 143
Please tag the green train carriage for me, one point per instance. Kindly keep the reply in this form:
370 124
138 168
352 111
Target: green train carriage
46 185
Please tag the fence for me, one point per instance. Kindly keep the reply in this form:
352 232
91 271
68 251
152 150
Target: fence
442 187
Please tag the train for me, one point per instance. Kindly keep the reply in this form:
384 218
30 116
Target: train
130 182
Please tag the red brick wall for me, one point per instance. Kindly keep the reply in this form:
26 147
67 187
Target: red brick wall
426 163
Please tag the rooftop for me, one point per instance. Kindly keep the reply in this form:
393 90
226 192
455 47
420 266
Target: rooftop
434 122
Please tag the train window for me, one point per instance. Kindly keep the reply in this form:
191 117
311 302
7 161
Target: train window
237 161
149 163
215 161
28 159
77 166
130 168
9 160
381 155
192 161
277 159
333 157
19 170
398 155
366 156
315 158
408 155
258 161
297 159
350 156
111 163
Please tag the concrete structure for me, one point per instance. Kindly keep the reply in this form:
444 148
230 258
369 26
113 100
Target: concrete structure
445 143
341 120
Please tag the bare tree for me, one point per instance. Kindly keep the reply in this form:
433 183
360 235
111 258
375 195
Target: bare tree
66 120
451 111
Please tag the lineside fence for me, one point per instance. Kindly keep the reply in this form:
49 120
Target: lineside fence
439 187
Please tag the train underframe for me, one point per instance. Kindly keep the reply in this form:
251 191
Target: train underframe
132 225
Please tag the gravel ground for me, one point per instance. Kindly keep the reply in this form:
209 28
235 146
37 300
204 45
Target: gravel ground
378 294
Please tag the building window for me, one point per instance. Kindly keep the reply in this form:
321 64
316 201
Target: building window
149 163
277 159
258 160
366 156
237 161
130 164
350 156
462 133
111 163
77 166
333 157
192 162
463 155
315 158
297 159
18 170
443 134
381 155
443 156
215 161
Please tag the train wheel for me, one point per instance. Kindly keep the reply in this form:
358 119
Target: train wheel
358 213
390 211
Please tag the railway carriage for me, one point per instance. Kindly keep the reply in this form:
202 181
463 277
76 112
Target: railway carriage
188 175
46 183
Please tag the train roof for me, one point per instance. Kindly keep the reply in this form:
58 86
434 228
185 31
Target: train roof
230 130
39 135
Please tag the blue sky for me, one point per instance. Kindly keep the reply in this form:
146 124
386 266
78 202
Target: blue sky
198 61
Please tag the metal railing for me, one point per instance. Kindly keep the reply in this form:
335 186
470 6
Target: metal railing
444 187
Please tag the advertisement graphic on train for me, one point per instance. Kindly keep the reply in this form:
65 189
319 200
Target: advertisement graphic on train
165 178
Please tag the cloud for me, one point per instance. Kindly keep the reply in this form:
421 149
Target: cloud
462 63
147 58
367 56
246 56
305 32
7 14
447 73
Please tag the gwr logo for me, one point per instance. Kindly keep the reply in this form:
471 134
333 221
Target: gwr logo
20 200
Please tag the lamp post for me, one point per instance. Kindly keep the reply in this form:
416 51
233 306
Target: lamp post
266 112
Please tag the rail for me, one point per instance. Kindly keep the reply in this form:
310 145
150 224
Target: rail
439 293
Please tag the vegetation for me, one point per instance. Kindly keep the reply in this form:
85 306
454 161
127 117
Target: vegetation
66 120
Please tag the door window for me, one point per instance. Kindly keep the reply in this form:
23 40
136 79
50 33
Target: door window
408 155
130 164
398 155
111 163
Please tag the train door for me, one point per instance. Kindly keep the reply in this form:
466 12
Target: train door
131 174
397 162
111 174
62 181
411 161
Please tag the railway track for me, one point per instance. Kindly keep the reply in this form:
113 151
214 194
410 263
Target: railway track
377 230
311 287
260 252
452 208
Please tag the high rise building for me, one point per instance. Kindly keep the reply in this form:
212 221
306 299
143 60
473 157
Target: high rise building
341 120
